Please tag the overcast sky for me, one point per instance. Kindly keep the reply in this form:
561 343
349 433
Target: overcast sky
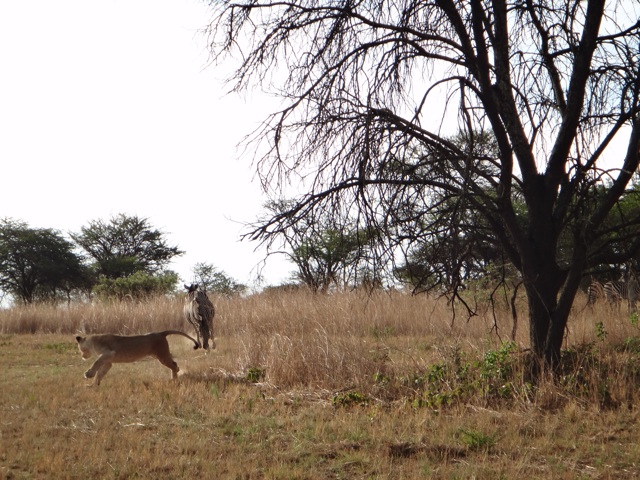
109 107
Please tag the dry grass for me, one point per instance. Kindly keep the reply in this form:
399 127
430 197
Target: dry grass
305 386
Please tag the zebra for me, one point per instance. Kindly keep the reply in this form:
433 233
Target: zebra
199 312
616 291
595 291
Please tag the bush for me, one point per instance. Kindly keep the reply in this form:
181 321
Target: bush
136 286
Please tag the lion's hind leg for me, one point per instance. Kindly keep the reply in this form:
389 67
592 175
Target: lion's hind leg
170 363
164 357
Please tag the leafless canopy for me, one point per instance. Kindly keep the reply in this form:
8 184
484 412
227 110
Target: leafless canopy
374 92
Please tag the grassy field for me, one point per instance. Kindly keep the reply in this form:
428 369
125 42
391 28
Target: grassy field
313 387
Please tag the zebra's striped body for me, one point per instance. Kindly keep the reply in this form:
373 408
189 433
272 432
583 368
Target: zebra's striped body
595 292
199 312
617 291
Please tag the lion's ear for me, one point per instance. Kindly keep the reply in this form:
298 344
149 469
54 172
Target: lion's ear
79 339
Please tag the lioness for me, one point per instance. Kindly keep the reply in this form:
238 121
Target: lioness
120 349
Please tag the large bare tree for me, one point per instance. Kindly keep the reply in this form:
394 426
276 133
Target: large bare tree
374 90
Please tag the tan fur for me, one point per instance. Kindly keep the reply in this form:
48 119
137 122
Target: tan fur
122 349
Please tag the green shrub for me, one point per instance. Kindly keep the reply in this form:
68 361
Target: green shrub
349 398
136 286
255 374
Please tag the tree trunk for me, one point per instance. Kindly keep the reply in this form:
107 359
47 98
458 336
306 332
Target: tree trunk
547 318
543 278
542 303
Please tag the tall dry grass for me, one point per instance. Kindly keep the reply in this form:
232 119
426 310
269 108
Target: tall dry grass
295 337
93 318
315 387
345 340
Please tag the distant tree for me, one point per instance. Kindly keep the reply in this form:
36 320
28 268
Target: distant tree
446 254
137 286
621 234
323 259
287 287
215 281
324 252
125 245
38 264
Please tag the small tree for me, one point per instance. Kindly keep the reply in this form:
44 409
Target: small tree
326 258
213 280
125 245
325 253
38 264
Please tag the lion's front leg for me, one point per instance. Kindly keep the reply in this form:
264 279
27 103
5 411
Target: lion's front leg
101 366
102 371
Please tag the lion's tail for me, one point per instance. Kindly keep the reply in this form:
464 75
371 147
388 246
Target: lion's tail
178 332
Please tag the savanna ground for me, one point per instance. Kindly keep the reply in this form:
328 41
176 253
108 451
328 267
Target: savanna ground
314 387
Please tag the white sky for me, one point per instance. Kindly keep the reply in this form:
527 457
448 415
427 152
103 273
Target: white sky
107 107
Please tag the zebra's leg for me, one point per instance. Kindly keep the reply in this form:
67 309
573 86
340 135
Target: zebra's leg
196 328
632 295
204 330
211 336
618 303
613 295
632 303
